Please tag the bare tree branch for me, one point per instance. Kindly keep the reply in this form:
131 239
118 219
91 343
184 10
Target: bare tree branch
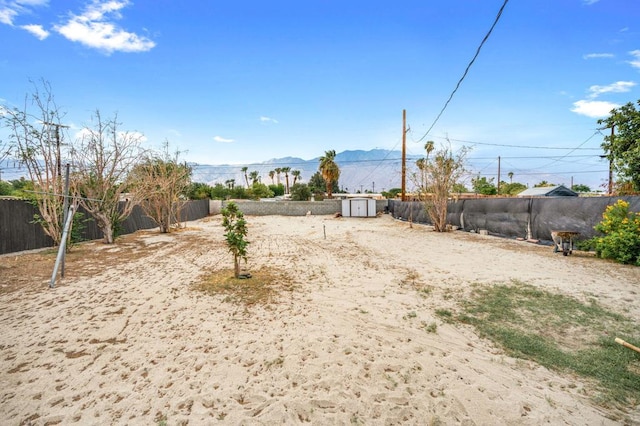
160 182
102 158
37 142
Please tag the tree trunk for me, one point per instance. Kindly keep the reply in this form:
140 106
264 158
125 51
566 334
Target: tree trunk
236 266
107 232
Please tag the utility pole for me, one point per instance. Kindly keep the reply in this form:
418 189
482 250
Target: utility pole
58 159
498 175
373 186
611 164
403 195
65 210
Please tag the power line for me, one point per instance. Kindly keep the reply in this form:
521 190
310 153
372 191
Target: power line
486 37
526 146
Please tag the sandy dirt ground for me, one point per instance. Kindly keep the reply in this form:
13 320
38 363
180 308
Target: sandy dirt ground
125 338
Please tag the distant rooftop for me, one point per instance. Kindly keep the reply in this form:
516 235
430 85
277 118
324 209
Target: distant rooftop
548 191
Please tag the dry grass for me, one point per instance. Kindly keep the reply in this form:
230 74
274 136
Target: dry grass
265 286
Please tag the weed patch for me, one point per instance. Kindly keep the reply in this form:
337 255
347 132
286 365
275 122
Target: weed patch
560 333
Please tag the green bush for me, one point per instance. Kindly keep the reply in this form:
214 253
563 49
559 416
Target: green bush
5 188
300 192
621 239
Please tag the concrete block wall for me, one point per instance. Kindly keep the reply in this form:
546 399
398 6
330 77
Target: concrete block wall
215 207
288 208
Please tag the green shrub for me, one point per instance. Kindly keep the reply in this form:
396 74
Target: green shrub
300 192
621 239
5 188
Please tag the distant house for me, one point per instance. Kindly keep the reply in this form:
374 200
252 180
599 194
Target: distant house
548 191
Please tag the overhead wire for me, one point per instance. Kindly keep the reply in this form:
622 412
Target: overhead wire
466 71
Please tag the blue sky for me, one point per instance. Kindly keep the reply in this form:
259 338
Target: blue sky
246 81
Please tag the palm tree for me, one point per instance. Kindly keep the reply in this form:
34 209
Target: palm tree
429 147
421 163
510 174
272 173
246 178
286 171
296 175
329 170
278 171
254 177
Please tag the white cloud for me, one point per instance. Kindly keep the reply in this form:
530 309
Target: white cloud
635 62
593 109
7 15
268 120
36 30
617 87
222 140
590 2
9 10
598 55
94 29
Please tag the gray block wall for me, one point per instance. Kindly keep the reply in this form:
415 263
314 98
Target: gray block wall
289 208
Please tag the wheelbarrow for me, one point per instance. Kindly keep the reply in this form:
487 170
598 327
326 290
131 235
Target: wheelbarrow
563 240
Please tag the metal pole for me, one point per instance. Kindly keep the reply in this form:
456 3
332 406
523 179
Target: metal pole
498 175
58 160
403 195
62 248
611 164
65 206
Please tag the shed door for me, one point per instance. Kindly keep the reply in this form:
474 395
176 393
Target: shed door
359 208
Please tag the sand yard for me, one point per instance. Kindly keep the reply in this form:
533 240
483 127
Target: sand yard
126 339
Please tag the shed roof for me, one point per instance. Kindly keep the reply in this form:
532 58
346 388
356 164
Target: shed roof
548 191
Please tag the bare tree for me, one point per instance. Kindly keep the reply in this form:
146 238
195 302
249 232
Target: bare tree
160 182
5 147
102 158
436 181
36 138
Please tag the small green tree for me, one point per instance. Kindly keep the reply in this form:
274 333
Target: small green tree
512 188
300 192
278 190
482 185
392 193
5 188
621 229
199 191
581 188
622 147
236 231
259 190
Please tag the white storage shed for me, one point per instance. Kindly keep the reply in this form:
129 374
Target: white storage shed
358 207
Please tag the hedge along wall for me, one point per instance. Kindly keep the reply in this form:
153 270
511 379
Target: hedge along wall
520 217
295 208
17 233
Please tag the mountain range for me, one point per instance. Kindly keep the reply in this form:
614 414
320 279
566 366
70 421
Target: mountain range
375 170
